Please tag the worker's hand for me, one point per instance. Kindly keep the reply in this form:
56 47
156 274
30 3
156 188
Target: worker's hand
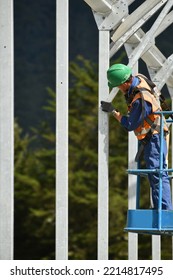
107 107
117 115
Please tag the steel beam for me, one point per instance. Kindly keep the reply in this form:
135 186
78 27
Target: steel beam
132 180
103 151
62 129
6 130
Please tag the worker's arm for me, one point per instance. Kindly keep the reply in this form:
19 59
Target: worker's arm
134 118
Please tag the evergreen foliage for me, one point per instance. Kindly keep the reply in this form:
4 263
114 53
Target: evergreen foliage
34 198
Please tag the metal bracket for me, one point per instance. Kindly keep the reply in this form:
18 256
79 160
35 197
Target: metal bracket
112 18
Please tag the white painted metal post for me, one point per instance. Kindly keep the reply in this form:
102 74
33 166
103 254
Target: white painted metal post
103 144
156 240
6 130
156 247
62 130
132 180
132 183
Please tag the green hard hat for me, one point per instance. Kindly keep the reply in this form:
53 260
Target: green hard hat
118 74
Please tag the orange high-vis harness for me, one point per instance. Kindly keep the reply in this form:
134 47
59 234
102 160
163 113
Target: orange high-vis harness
151 124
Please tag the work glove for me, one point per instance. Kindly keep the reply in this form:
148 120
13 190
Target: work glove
107 107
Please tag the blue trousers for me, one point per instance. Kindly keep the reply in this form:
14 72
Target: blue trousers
152 159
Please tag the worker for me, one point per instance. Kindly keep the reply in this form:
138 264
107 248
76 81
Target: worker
141 119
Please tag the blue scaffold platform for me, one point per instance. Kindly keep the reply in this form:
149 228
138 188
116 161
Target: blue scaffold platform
150 221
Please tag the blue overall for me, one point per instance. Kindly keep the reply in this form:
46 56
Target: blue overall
151 150
152 159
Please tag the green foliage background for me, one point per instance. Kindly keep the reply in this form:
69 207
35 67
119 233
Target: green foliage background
35 179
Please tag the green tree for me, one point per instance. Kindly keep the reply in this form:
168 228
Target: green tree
83 160
34 197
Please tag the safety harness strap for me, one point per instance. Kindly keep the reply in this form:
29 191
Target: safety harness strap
154 125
